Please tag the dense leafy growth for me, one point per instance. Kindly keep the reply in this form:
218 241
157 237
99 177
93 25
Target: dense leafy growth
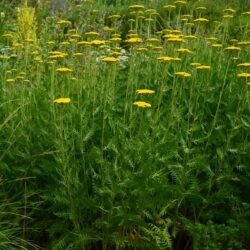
123 125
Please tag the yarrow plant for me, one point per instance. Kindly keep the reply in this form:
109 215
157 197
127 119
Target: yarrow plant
124 125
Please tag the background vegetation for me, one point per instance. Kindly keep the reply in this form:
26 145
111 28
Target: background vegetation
124 127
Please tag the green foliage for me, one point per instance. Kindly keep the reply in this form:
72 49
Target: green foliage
100 172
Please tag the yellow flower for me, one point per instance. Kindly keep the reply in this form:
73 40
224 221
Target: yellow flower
10 80
182 73
110 59
190 37
106 28
29 40
145 91
50 42
62 100
134 40
78 54
175 39
83 43
180 2
65 43
216 45
212 38
201 8
169 6
75 36
149 19
244 65
3 57
184 50
56 56
136 7
233 48
64 69
55 52
168 59
116 53
246 13
51 62
20 77
229 10
153 40
157 47
92 33
38 59
115 39
114 17
244 75
63 22
142 104
201 19
186 15
97 42
244 43
203 67
227 16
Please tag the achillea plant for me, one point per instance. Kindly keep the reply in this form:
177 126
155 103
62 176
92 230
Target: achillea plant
26 25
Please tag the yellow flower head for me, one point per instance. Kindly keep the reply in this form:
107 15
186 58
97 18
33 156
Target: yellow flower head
136 7
106 28
62 100
182 73
228 16
63 22
203 67
233 48
153 40
180 2
184 50
74 36
83 43
191 37
244 65
114 17
97 42
201 19
216 45
142 104
3 57
229 10
145 91
201 8
244 75
169 6
244 43
92 33
134 40
78 54
59 55
10 80
110 59
115 39
64 69
175 39
65 43
50 42
168 59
